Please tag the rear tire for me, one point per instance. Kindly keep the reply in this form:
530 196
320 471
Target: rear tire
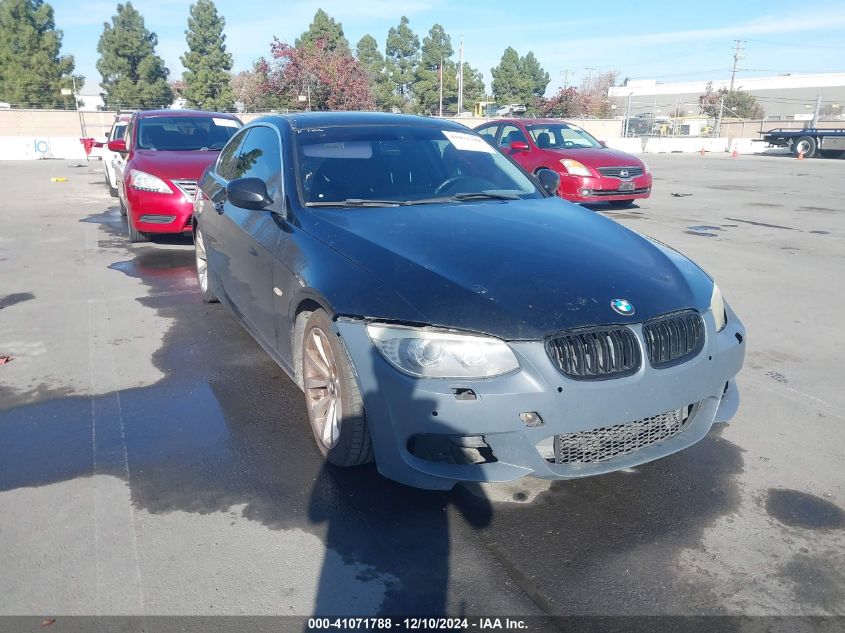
134 234
334 403
807 144
122 208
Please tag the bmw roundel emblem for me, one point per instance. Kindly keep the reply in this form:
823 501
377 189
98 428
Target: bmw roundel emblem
622 306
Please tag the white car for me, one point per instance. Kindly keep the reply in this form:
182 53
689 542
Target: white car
112 161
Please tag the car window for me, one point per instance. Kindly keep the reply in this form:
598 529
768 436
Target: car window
260 157
511 134
226 161
401 163
488 133
561 136
185 133
118 131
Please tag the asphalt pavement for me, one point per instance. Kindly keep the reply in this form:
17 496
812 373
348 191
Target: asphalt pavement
154 460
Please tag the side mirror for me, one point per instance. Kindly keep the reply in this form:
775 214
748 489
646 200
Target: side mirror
248 193
603 143
519 146
118 145
549 180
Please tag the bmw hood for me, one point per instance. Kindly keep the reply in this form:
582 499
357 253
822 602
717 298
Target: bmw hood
517 269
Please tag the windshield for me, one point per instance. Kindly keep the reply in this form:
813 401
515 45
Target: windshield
185 133
560 136
397 164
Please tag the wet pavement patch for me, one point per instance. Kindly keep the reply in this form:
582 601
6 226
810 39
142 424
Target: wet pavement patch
15 298
817 581
821 232
799 509
703 230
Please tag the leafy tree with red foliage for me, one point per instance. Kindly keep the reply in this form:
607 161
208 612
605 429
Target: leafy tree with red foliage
333 78
565 103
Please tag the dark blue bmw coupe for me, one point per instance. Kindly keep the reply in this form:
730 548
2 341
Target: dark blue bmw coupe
448 317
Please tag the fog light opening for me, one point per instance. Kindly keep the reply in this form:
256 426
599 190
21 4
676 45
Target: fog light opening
531 418
465 450
584 192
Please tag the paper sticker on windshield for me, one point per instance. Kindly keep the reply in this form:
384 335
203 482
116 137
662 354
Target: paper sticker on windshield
468 142
225 122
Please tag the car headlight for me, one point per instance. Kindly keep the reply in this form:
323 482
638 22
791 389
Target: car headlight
147 182
574 168
717 305
427 353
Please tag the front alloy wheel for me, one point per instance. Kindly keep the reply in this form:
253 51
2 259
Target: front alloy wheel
202 268
334 403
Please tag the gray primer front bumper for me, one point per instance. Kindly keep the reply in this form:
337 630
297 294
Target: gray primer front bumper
398 407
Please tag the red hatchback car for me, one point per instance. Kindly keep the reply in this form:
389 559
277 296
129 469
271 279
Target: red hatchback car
589 171
167 151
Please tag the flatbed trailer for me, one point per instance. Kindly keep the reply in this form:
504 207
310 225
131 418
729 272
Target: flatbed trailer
809 141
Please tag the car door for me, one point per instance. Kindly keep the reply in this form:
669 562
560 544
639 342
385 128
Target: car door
247 239
510 134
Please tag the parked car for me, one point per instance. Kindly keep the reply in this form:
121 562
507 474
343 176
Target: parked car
511 109
113 161
166 151
446 315
590 171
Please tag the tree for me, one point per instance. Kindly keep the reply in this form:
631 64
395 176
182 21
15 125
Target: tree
207 62
473 85
133 75
32 72
565 103
737 103
403 54
532 70
436 52
373 62
510 84
594 95
329 79
252 94
325 28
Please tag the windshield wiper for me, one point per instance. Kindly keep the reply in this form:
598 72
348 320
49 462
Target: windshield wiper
467 197
357 202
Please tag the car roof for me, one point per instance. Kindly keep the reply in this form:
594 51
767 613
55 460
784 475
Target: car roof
524 121
306 120
144 114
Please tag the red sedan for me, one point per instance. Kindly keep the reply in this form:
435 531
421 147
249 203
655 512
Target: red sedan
166 153
589 171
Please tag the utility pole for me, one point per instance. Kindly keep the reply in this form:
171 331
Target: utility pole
82 121
627 114
589 70
440 72
718 129
739 53
566 74
461 78
815 121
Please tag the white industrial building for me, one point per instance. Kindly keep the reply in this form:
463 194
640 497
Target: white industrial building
785 97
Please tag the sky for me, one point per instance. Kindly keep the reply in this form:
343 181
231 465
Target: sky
672 41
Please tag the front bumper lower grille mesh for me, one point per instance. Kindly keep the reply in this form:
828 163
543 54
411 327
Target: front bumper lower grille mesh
673 338
596 353
602 444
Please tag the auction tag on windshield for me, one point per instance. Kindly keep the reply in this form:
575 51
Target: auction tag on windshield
468 142
225 122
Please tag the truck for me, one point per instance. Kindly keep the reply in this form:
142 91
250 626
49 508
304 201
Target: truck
810 142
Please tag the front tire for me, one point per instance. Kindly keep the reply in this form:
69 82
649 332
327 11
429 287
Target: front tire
805 144
204 274
134 234
334 403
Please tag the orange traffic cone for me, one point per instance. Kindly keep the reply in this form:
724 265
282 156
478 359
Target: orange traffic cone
800 155
734 154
